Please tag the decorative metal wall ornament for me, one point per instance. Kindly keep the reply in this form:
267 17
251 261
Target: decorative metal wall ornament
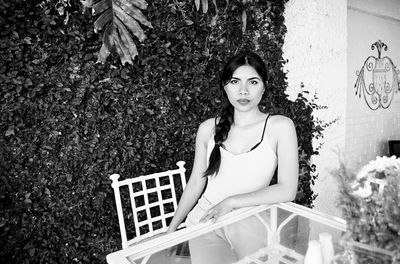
378 79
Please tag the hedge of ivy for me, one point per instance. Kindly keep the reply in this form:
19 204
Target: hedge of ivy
67 123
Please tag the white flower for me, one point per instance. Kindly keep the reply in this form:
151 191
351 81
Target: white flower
366 190
363 192
380 164
372 173
363 173
381 183
383 163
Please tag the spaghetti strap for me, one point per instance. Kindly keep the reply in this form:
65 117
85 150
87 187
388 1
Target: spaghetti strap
265 125
262 137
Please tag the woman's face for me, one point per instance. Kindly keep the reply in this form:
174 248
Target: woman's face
245 88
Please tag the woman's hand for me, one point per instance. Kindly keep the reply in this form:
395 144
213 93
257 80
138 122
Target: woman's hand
170 230
218 210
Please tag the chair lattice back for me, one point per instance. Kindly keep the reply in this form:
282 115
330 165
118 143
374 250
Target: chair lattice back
148 202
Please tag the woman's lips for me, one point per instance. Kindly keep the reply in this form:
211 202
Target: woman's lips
243 101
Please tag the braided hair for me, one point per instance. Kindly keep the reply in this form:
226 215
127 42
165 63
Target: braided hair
226 116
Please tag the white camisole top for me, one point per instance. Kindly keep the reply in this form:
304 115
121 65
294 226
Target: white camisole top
241 173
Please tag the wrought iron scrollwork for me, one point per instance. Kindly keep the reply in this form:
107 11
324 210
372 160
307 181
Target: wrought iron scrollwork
378 79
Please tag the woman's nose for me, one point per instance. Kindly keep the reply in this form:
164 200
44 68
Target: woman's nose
243 89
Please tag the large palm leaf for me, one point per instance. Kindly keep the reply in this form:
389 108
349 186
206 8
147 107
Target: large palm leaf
120 19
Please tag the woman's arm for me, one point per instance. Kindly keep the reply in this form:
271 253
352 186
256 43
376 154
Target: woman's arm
283 130
197 182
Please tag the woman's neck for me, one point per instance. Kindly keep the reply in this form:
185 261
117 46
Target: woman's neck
247 118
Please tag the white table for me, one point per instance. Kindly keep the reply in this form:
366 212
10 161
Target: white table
283 246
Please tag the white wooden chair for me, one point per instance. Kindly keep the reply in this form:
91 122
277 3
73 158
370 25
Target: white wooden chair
147 201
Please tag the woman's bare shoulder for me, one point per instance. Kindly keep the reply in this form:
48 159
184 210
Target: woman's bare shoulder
279 122
208 124
206 129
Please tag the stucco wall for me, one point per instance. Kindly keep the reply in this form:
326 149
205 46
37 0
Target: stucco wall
326 43
368 131
315 46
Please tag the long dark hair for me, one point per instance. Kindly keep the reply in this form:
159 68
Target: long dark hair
226 116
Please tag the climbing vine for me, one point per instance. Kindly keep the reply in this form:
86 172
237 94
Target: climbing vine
68 122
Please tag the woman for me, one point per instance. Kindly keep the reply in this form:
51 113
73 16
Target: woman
237 153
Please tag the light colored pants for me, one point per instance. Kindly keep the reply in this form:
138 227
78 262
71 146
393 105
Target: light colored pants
228 244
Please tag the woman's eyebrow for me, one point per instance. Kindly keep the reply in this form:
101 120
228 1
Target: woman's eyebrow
251 78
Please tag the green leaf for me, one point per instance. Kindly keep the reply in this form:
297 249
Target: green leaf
101 6
142 4
87 3
125 18
122 50
106 37
103 54
106 46
204 4
127 41
129 22
10 131
133 12
188 22
103 19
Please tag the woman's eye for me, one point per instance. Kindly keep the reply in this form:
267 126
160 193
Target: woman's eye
254 82
234 81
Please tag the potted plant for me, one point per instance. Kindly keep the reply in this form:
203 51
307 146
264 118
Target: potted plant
370 203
